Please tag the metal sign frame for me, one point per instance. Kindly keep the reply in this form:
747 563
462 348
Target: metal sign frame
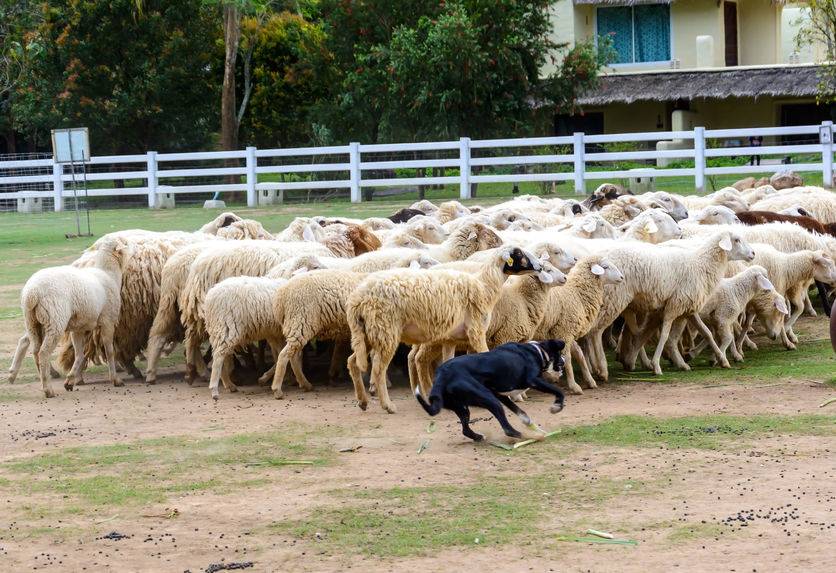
72 146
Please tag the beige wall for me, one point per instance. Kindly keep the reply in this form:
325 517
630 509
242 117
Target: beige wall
712 114
759 29
692 18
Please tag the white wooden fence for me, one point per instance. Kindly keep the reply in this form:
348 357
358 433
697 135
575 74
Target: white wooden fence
155 169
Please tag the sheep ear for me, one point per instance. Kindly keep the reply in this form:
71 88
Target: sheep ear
545 278
589 226
544 256
414 264
725 243
308 235
781 306
471 236
299 271
597 270
650 227
764 283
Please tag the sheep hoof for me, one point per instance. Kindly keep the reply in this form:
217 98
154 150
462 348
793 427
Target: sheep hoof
306 388
215 396
278 394
49 393
264 380
118 383
363 404
68 386
232 388
390 408
591 384
575 389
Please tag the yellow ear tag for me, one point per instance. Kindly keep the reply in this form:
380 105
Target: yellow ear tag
509 260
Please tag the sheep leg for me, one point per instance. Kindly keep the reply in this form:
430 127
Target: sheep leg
744 330
192 351
672 345
276 345
291 348
226 375
357 378
664 332
600 358
578 355
43 349
338 357
706 332
22 347
569 371
412 367
808 306
152 352
110 354
797 302
381 358
788 344
726 339
218 360
79 339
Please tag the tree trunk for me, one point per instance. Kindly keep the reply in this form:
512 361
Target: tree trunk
232 33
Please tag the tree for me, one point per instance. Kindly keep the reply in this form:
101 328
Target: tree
441 70
17 17
818 27
139 79
290 73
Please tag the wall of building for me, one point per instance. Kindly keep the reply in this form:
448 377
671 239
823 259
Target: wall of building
692 18
759 32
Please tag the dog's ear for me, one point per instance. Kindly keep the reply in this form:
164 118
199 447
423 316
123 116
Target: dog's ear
555 347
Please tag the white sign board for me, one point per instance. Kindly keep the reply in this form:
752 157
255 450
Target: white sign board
826 134
71 145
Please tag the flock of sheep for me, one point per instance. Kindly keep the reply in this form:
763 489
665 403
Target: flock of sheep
667 273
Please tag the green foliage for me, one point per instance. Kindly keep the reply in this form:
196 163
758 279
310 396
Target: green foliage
291 73
137 79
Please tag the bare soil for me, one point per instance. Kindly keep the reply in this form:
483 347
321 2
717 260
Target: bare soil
786 483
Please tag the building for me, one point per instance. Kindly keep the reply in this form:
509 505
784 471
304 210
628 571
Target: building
682 63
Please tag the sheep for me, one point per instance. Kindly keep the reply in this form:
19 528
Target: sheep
420 231
728 302
302 229
820 204
417 307
425 206
714 215
792 273
761 217
652 226
79 301
241 258
450 210
752 196
404 215
681 289
664 200
166 327
525 225
244 229
140 293
796 211
602 196
310 306
465 241
591 226
622 210
543 250
348 240
572 309
237 311
728 197
219 222
377 224
517 313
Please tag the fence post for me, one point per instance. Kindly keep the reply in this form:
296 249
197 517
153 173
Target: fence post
152 178
57 186
354 171
252 179
699 159
464 168
580 164
826 138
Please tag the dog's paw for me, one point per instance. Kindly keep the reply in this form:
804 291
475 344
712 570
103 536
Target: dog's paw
555 408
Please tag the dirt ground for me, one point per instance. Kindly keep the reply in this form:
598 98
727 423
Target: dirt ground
756 505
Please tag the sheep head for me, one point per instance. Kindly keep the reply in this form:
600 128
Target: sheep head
556 255
717 215
550 275
824 269
516 261
607 272
735 247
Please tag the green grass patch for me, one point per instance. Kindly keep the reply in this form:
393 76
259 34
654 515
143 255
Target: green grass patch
704 432
694 531
812 359
150 471
406 521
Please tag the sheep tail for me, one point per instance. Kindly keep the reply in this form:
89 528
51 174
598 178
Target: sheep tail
358 338
434 406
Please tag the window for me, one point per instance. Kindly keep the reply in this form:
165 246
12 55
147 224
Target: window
638 33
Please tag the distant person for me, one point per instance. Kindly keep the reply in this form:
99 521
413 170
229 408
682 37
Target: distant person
755 141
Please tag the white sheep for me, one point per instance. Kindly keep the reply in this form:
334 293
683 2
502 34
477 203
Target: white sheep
77 301
572 310
819 203
417 307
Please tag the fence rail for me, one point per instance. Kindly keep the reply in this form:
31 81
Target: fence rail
356 166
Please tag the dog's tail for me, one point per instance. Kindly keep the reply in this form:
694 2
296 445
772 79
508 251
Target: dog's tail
434 405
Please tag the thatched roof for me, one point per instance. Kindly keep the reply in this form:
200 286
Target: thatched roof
796 81
638 2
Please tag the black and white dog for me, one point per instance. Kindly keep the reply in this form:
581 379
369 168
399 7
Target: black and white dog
487 379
